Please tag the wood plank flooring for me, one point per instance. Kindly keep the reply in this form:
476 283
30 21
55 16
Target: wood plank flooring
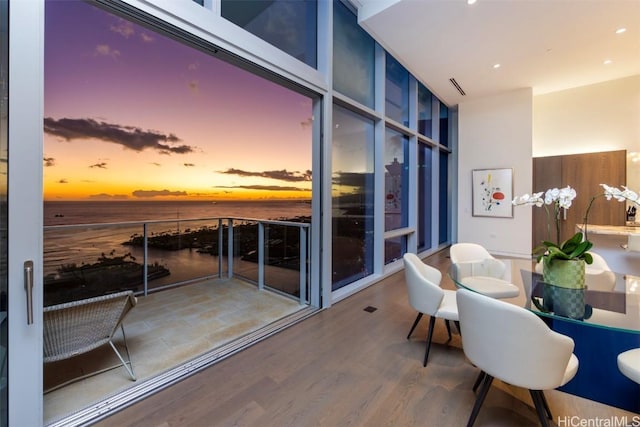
349 367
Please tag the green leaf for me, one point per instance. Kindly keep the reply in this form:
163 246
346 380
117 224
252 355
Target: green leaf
549 244
580 249
570 244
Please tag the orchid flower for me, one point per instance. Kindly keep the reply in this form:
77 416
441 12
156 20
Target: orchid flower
620 195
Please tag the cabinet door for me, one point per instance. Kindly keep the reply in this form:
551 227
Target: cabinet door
585 173
547 173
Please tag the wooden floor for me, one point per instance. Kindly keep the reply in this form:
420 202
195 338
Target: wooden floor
347 366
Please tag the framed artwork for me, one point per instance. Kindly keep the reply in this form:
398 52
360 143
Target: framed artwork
492 192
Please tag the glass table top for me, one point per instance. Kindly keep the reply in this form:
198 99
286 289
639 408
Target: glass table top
610 300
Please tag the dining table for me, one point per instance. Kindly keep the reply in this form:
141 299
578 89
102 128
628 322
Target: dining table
603 320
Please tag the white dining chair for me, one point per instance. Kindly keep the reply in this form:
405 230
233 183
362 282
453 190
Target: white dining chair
475 268
598 275
427 297
512 344
629 364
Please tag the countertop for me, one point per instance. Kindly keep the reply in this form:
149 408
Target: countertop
619 230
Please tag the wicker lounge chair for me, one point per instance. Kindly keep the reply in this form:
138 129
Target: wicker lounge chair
80 326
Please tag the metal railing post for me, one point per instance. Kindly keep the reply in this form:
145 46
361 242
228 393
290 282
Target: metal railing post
220 243
303 265
145 257
261 250
265 229
230 248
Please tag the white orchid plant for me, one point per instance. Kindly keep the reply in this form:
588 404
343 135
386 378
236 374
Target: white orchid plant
620 195
577 246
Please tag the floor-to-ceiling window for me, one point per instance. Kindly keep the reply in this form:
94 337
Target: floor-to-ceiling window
146 123
378 112
406 130
352 152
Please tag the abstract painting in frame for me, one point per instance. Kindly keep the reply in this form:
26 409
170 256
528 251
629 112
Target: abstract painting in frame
492 192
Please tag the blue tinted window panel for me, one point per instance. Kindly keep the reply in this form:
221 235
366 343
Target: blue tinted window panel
425 113
394 249
444 125
396 180
396 91
352 197
290 25
443 193
353 57
425 197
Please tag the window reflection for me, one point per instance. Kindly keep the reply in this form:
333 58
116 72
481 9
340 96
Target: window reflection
353 57
289 25
396 177
424 111
352 197
443 234
394 248
397 91
444 125
425 195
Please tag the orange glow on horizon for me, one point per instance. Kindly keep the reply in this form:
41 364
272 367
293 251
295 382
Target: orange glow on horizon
120 127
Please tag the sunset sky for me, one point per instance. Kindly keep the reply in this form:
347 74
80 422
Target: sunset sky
133 115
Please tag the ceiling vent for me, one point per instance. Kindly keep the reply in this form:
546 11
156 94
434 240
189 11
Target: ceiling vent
457 86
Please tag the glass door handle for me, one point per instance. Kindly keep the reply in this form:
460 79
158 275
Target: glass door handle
28 286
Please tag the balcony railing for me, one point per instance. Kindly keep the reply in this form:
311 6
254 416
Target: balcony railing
85 260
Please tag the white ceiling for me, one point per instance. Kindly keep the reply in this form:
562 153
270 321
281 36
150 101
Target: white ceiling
548 45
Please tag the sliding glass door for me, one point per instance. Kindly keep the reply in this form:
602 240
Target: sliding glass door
21 54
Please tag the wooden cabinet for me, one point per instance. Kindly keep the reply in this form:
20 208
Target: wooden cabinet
585 173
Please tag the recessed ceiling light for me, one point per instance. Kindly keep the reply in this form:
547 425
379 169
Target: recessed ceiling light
607 61
620 30
471 1
496 65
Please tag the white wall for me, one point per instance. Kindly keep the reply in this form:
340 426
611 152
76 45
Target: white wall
507 130
496 132
599 117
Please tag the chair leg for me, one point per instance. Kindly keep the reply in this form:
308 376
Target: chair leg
486 384
415 324
543 399
481 375
458 326
432 323
546 405
446 322
540 407
129 369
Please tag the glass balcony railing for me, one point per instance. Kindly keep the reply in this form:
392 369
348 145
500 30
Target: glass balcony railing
86 260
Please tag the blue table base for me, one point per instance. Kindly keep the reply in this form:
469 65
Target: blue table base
598 376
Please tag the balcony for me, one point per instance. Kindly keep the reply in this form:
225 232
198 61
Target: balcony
206 289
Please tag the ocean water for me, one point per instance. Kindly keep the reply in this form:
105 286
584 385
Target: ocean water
66 213
97 236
